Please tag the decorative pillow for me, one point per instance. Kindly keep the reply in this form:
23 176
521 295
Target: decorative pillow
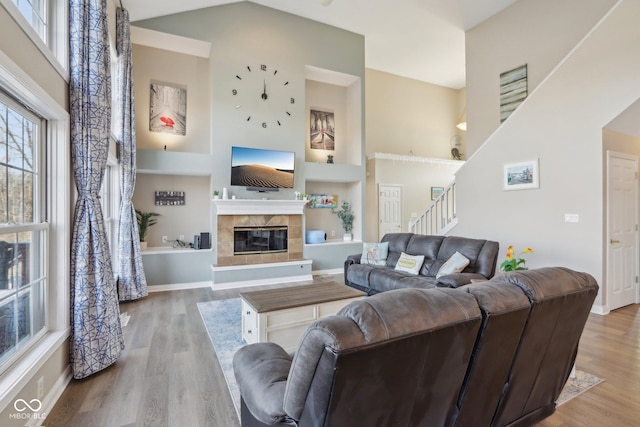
375 253
409 263
455 264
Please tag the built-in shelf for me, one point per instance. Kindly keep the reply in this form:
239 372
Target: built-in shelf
258 207
165 250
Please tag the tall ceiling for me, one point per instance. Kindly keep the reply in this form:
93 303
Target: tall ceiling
418 39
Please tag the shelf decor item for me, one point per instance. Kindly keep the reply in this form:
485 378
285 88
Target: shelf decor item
346 216
145 221
323 201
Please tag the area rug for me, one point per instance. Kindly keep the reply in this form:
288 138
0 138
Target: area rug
222 319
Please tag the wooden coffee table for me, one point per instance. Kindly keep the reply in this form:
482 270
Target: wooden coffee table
282 315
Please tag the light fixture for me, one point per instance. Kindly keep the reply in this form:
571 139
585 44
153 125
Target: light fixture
325 2
462 123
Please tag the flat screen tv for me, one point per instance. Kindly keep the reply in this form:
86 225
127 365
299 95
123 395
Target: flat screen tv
260 169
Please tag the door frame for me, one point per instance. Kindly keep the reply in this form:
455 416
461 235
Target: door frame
610 154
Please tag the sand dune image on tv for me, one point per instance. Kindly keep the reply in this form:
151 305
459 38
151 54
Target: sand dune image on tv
261 176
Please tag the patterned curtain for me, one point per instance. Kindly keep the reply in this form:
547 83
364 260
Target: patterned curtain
96 334
132 283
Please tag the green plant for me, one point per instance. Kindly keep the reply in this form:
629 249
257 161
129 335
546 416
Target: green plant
346 216
145 220
512 263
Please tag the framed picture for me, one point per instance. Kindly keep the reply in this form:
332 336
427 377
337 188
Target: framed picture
521 176
322 130
322 201
168 109
436 192
513 90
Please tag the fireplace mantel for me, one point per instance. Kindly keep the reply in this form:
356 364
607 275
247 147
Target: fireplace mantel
258 207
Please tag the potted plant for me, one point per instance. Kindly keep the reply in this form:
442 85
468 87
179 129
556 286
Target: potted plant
145 220
216 194
346 216
512 263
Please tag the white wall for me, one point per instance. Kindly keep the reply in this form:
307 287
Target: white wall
560 124
538 33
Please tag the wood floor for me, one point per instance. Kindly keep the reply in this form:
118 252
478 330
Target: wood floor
168 374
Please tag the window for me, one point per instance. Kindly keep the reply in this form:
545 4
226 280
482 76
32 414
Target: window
45 22
110 199
35 12
23 232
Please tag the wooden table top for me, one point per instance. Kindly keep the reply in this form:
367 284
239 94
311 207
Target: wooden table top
298 296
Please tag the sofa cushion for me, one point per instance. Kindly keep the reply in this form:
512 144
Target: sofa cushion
382 279
375 253
397 244
455 264
470 248
409 263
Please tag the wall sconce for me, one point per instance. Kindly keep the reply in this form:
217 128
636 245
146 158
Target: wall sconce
462 123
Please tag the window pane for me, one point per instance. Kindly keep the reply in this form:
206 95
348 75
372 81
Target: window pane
7 326
37 296
35 12
15 138
23 315
15 196
4 187
28 197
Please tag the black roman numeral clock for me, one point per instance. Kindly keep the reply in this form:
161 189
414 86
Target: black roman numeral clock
262 96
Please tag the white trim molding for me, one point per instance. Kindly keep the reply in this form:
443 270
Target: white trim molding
258 207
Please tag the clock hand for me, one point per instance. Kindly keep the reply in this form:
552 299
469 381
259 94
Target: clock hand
264 92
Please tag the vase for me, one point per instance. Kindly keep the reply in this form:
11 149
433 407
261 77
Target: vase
143 246
347 237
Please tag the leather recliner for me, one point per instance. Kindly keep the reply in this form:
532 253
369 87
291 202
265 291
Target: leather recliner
490 354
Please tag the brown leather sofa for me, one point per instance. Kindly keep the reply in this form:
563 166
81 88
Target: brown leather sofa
489 354
482 254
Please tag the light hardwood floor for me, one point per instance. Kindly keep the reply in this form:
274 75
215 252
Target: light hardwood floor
168 374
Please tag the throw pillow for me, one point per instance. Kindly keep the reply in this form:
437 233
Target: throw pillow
375 253
409 263
455 264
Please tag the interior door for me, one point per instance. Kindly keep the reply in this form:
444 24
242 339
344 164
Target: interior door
389 209
622 242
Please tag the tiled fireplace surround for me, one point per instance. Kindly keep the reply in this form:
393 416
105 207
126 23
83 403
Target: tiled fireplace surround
227 223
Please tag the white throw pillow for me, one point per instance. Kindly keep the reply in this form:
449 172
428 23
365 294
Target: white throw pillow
375 253
409 263
455 264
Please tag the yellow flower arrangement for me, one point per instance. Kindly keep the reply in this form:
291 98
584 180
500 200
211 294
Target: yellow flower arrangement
512 263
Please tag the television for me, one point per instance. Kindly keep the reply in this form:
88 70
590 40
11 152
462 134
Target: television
260 169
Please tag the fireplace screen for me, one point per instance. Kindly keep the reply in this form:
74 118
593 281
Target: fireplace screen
259 240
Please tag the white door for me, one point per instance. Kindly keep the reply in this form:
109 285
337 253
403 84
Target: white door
389 209
622 242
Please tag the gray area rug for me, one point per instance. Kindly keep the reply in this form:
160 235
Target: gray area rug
223 321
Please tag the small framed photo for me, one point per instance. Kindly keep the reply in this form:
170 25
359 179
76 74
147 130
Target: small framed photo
436 192
521 176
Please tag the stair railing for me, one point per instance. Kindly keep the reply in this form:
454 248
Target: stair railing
440 216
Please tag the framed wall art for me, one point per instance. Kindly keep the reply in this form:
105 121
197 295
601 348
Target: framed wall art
168 109
323 201
436 192
521 176
322 130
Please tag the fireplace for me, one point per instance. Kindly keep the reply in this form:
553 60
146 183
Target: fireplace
259 240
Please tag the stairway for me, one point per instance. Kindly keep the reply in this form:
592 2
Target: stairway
440 217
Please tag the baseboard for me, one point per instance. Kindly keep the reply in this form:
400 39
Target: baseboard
178 286
260 282
329 271
600 309
52 398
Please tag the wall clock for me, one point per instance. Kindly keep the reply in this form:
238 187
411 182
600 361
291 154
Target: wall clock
262 96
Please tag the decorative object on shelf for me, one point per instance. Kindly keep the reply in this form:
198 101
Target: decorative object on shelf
216 194
456 143
513 90
436 192
512 263
168 109
225 193
145 221
315 236
521 176
330 159
322 130
346 216
260 86
169 198
323 201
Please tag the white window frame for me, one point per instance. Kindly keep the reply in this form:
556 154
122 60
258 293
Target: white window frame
56 48
110 200
58 195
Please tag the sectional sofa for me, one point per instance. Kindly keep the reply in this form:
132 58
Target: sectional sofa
496 353
429 255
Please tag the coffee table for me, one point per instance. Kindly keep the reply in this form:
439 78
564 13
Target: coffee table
282 315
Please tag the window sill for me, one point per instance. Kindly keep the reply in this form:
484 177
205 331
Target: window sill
13 380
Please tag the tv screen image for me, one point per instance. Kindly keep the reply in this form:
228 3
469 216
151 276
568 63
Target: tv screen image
262 168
